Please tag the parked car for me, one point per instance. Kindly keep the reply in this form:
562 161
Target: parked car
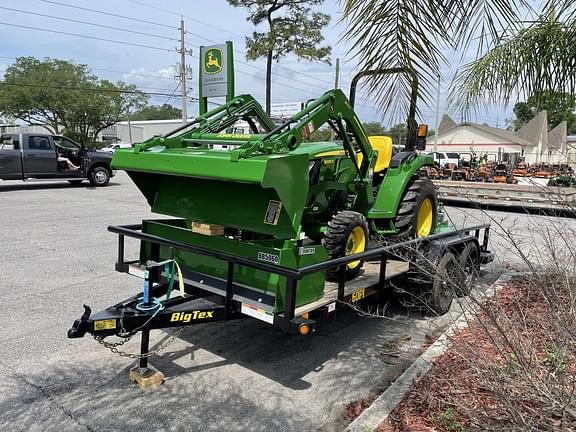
36 156
444 159
112 147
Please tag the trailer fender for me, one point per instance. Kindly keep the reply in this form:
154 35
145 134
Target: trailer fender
437 248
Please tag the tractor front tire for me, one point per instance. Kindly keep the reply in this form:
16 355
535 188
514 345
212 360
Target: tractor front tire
347 234
417 213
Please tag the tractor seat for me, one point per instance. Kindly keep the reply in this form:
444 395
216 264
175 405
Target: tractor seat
383 145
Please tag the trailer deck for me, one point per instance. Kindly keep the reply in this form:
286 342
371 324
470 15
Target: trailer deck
369 279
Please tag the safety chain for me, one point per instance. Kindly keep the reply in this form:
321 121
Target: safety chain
113 346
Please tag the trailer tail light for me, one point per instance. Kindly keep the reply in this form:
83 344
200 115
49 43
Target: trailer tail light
304 329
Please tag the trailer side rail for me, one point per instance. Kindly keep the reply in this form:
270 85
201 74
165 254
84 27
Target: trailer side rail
285 320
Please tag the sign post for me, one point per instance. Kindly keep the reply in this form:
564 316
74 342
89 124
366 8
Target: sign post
216 73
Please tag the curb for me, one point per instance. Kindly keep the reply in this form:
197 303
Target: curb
381 408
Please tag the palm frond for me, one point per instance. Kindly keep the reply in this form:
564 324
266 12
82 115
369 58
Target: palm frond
414 34
538 58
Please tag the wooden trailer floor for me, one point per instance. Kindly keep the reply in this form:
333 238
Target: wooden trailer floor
368 278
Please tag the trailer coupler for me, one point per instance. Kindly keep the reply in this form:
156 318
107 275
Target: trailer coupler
124 319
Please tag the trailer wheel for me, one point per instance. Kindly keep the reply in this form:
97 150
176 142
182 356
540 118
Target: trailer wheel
470 266
418 210
347 234
448 279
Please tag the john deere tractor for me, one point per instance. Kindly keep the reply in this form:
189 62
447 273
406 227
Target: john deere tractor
273 195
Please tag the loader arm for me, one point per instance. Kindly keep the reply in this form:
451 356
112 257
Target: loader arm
331 108
206 128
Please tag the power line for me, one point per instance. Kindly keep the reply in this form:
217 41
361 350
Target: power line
86 36
186 16
176 28
109 14
193 98
115 71
89 23
225 31
173 93
83 89
150 22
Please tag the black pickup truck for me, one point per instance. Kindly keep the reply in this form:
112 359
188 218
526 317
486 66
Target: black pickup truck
42 156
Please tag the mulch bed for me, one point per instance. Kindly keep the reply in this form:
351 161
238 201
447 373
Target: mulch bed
512 368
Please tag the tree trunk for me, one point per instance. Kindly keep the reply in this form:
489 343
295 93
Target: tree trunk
268 81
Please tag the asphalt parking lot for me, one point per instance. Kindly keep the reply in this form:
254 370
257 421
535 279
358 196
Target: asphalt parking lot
241 375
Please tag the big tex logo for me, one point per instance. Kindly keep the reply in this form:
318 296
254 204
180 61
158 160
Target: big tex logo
194 315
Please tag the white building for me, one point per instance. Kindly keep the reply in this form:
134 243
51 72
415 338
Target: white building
533 142
140 130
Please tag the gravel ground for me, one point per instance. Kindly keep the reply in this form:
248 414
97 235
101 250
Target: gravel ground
238 375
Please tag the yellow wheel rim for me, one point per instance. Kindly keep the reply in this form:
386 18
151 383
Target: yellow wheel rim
425 217
356 243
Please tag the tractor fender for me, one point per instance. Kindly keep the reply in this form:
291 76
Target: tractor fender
402 168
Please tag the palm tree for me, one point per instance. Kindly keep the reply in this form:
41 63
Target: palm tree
414 34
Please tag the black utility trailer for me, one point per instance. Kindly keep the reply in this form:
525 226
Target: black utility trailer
438 267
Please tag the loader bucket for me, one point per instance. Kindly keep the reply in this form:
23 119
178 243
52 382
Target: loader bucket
264 194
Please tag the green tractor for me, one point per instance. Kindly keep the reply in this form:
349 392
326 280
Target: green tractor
272 195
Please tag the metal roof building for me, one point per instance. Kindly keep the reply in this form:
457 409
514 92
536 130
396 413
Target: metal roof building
533 142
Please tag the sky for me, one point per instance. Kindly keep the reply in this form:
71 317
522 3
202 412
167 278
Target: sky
144 51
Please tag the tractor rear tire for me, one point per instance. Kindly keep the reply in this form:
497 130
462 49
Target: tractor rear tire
417 213
347 234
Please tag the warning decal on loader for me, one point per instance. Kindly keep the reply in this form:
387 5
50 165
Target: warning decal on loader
273 212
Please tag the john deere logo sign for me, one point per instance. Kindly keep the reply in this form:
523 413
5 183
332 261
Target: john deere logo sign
213 61
214 64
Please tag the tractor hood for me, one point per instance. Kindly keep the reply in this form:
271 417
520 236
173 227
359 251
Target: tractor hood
264 194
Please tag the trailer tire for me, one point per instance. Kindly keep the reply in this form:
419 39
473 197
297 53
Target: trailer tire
433 287
347 234
99 176
470 266
417 213
447 280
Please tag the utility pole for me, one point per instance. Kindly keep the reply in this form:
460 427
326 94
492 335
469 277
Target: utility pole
437 115
183 72
337 75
